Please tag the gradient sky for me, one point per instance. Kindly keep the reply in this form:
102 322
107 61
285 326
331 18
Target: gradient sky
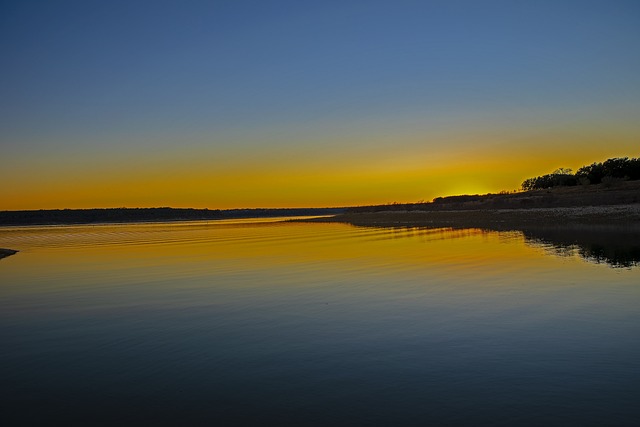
224 104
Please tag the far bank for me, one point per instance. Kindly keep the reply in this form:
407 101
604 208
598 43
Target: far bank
600 205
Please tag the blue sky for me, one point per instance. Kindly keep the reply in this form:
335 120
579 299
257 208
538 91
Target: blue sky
109 81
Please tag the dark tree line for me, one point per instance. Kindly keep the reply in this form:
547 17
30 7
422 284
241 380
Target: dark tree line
619 168
117 215
623 168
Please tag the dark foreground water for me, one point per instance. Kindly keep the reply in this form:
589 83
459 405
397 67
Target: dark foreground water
260 323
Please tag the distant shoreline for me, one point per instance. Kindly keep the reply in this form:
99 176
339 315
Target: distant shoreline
613 215
622 193
591 204
600 205
147 215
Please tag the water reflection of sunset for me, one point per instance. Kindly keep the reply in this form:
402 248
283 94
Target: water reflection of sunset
324 250
301 312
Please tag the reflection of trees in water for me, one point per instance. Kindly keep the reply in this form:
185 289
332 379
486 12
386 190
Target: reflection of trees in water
618 247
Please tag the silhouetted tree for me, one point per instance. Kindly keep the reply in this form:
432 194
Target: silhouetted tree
618 168
550 180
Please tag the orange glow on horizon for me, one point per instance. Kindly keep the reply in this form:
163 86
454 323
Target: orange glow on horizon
413 168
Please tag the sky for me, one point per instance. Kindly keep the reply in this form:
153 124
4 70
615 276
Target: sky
231 104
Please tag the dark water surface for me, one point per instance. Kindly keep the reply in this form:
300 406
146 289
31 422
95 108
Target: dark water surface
263 323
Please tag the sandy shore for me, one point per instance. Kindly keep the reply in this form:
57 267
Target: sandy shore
615 215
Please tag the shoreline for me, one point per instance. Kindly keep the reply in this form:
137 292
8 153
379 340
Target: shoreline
500 219
148 215
7 252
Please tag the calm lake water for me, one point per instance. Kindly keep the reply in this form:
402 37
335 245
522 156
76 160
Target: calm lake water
261 323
